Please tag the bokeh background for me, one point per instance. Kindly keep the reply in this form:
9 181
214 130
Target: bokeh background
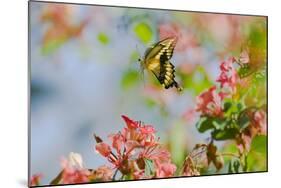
85 75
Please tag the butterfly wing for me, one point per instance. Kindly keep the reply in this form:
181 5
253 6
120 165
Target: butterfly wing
165 46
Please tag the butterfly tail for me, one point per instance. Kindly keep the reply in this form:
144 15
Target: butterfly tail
179 88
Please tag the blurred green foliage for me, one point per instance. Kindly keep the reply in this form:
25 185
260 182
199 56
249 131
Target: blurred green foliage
196 81
52 45
257 34
257 157
150 103
177 143
144 32
130 78
103 38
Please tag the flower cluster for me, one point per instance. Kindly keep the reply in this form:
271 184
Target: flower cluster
136 152
210 102
60 27
224 110
73 171
228 77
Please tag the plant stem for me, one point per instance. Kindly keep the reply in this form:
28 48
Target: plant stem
230 155
115 173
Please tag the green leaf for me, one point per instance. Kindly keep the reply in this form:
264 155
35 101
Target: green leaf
230 171
204 124
226 134
243 120
244 71
149 167
227 106
234 166
103 38
259 144
232 107
220 123
257 156
230 148
129 79
143 32
239 106
127 177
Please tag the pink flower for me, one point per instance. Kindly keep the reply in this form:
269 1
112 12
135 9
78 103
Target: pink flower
35 179
186 39
117 141
156 153
73 173
103 149
130 123
210 102
227 65
147 129
71 176
228 77
140 174
142 134
165 170
260 121
162 160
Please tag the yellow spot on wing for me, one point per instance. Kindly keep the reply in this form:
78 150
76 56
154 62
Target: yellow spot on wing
167 77
153 65
169 74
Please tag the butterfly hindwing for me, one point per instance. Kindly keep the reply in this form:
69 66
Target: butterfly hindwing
166 76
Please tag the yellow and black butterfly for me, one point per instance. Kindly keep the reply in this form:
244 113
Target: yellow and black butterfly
157 60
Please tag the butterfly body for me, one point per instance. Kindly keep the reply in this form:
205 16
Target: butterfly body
157 60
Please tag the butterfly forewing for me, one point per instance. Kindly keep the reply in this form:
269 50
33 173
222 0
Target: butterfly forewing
163 47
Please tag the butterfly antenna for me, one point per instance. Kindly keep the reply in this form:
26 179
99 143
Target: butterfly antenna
137 49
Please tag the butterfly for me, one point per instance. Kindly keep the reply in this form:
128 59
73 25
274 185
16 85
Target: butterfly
157 60
251 62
